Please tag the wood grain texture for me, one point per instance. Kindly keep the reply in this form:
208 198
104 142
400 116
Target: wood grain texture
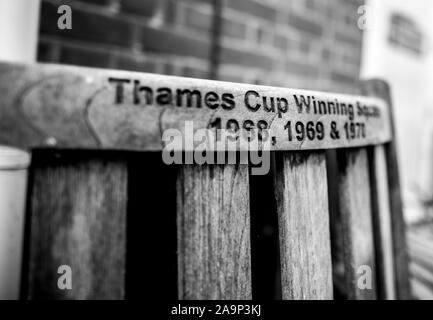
356 215
78 212
74 107
379 88
302 205
214 254
382 224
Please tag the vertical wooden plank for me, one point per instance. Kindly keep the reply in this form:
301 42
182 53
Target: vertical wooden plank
356 216
379 88
382 224
302 205
78 212
214 259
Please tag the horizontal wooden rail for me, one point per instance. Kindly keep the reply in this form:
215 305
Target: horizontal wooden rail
73 107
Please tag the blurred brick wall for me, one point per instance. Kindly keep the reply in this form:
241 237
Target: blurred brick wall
311 44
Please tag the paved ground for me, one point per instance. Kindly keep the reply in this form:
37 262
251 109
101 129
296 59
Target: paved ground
420 245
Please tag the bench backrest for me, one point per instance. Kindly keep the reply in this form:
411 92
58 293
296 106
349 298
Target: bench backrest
101 200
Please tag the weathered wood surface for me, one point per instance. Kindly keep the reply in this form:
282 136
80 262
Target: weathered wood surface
305 244
74 107
382 224
381 89
78 218
356 215
214 253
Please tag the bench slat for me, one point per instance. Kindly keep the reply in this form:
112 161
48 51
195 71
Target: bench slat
382 224
214 252
78 218
379 88
302 205
356 215
75 107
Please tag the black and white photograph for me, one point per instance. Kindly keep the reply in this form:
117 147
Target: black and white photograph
216 156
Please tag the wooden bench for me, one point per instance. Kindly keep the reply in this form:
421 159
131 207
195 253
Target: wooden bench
101 201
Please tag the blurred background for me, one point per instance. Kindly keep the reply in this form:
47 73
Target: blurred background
324 45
